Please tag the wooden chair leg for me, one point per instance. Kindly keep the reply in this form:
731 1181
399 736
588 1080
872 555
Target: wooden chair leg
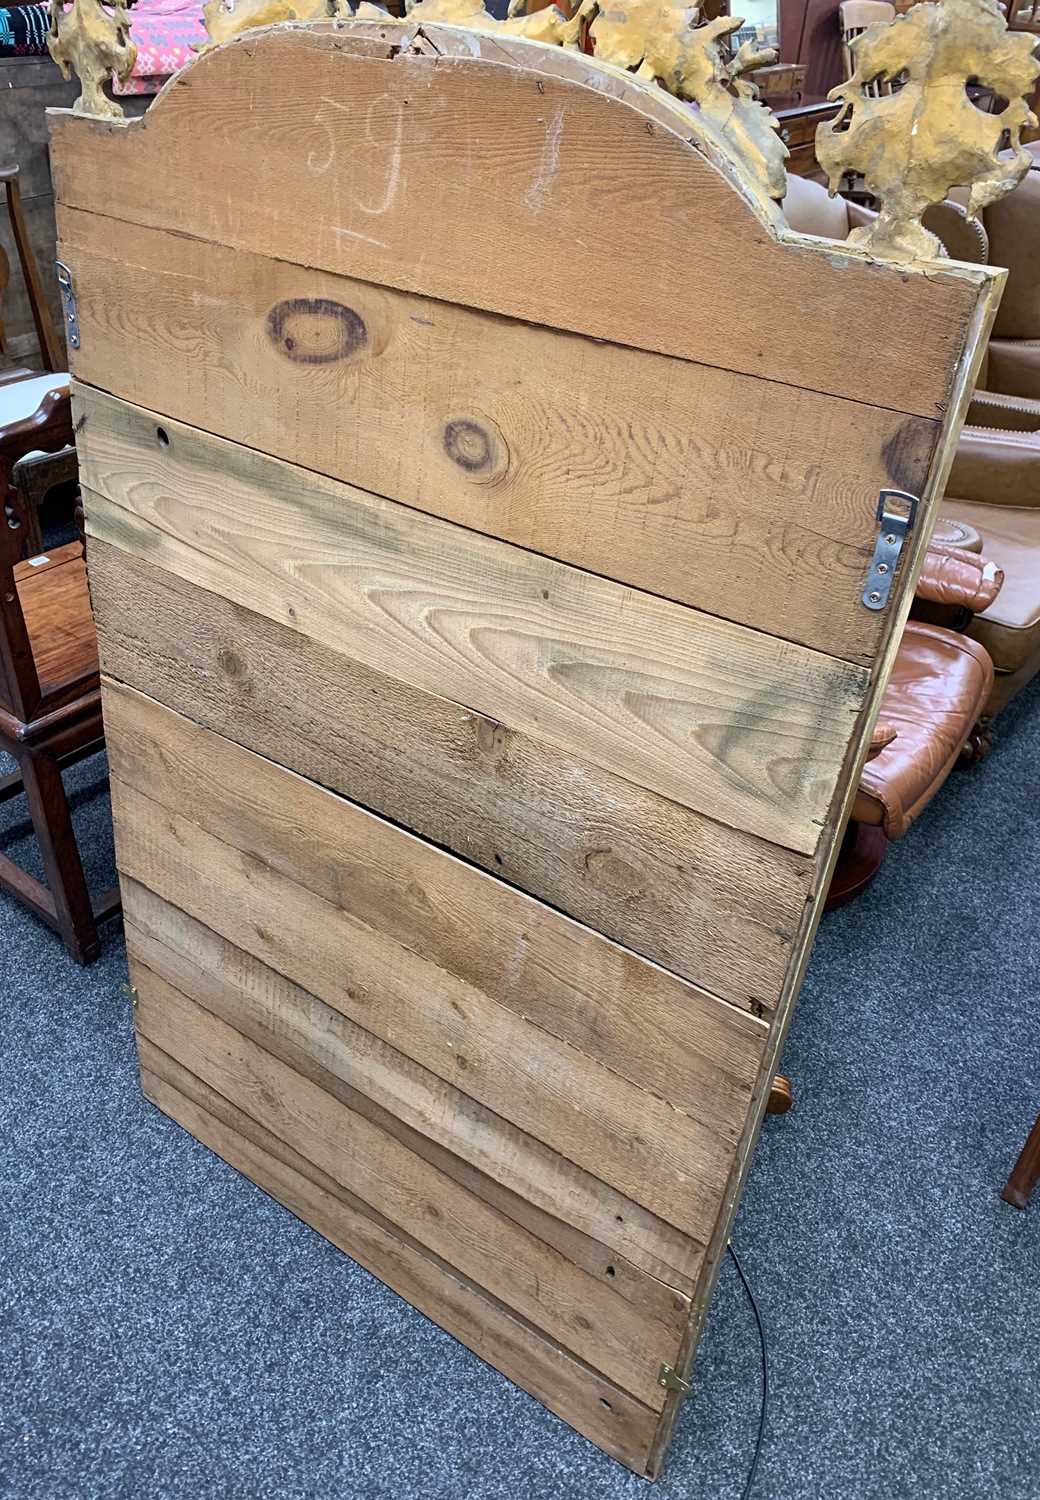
1026 1172
49 810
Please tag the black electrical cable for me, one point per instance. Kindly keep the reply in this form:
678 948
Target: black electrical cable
763 1344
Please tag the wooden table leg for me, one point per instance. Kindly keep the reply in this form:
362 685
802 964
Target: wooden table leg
1026 1172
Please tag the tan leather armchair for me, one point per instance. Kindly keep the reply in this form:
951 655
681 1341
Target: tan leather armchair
1012 227
994 486
808 208
937 692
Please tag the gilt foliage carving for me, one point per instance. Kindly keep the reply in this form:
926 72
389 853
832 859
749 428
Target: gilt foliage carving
661 40
93 40
915 144
221 23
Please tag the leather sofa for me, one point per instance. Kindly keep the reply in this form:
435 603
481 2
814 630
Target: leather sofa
994 485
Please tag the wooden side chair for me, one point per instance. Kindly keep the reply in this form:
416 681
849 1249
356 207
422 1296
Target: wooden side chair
50 710
50 705
51 353
854 16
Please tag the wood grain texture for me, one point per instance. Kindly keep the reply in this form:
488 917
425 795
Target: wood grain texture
715 905
456 177
344 994
643 1259
725 720
523 1271
672 1164
609 458
613 1419
655 1030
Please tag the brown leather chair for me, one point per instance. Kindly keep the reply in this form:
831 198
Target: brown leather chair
1012 228
935 697
808 208
994 486
994 489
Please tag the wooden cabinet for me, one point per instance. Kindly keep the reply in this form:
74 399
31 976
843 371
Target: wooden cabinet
798 122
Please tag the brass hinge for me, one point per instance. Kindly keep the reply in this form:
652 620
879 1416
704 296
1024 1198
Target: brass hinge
671 1381
68 302
129 992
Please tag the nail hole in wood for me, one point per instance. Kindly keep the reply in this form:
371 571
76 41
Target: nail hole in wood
162 437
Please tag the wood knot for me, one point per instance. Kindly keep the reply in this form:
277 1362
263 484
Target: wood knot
477 448
316 330
469 445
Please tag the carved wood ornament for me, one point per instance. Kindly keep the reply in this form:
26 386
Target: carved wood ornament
912 146
222 24
94 40
661 41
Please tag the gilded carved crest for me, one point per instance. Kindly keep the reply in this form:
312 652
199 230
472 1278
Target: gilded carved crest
913 145
222 23
659 39
94 40
548 25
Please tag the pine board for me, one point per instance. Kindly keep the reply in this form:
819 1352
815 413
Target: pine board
739 496
717 906
530 190
728 721
618 1423
643 1259
671 1162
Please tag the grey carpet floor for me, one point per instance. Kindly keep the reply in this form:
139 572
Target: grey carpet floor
166 1330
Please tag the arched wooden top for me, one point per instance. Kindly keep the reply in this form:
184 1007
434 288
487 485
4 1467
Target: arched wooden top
521 179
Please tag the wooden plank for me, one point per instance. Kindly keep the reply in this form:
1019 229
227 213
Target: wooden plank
706 901
525 1273
643 1023
733 723
606 457
657 1155
485 184
613 1419
643 1259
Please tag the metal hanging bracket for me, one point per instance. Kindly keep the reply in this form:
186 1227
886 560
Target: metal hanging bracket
670 1380
68 302
893 529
